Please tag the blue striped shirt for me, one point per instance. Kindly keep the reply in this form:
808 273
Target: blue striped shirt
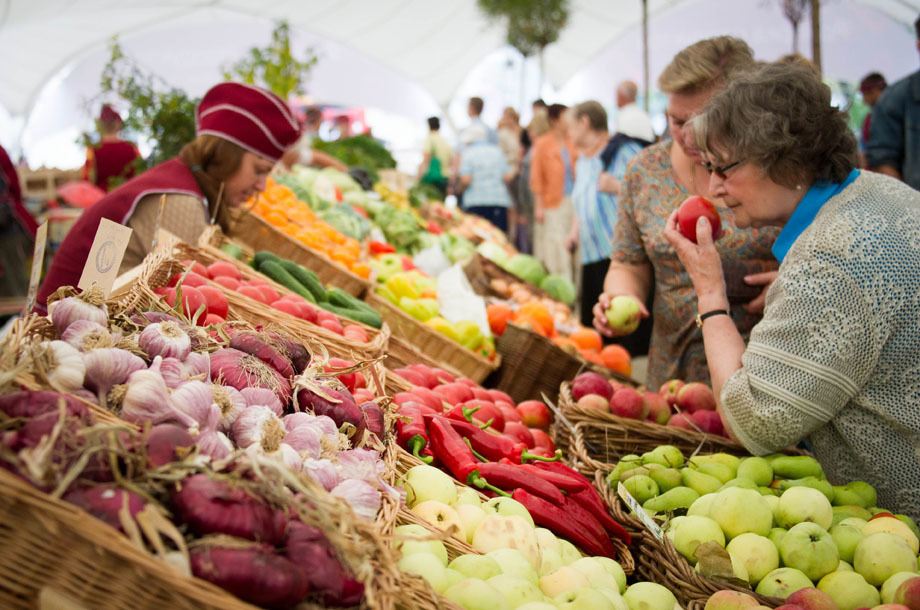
486 164
597 211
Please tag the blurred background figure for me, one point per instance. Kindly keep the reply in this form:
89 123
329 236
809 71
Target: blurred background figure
524 233
343 127
436 158
871 88
483 178
509 141
112 160
631 119
17 233
302 151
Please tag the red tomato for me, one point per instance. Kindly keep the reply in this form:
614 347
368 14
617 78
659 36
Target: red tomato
196 267
224 269
690 211
332 325
192 279
253 293
288 307
227 282
192 302
269 293
217 302
213 319
355 333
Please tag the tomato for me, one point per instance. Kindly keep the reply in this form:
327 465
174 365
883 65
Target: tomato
691 210
227 282
213 319
253 293
288 307
192 302
217 301
192 279
332 325
224 268
268 293
196 267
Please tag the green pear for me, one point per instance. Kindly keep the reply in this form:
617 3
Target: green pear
641 487
667 478
641 470
815 483
849 510
910 523
857 493
668 456
678 497
740 482
720 471
627 462
757 469
766 491
796 467
847 538
701 507
719 458
700 482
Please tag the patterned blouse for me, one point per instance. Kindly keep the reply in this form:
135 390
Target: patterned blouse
650 193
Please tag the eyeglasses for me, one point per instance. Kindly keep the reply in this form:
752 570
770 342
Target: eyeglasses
721 171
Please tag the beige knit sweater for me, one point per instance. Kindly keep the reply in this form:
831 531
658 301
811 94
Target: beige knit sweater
836 358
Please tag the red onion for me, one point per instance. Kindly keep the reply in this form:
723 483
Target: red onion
373 417
29 403
242 371
255 574
164 441
106 502
255 345
309 550
340 406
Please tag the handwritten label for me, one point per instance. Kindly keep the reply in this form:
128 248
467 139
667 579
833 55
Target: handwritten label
38 260
643 516
104 260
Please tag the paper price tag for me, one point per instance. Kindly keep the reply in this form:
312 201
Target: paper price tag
38 261
104 260
632 503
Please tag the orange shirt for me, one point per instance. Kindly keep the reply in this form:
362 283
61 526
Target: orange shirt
547 172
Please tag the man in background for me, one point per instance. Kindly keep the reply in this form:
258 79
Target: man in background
871 88
302 151
632 120
436 157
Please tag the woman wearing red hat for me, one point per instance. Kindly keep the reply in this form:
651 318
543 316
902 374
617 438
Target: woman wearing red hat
112 158
242 131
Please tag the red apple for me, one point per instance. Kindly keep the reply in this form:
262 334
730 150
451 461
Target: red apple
591 383
499 396
669 389
510 414
594 401
681 420
708 421
696 396
535 414
811 598
658 409
519 432
543 444
690 211
628 402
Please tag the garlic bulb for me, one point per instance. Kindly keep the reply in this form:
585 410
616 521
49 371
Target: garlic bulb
86 335
258 425
306 439
166 339
86 306
264 397
146 398
61 364
231 402
107 367
173 372
197 366
210 441
194 399
284 454
322 471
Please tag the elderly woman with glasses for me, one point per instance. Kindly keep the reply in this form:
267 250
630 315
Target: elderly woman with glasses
836 358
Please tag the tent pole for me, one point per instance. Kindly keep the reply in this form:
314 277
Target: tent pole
816 33
645 52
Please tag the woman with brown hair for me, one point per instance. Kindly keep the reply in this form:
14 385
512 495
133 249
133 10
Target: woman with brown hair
242 131
656 181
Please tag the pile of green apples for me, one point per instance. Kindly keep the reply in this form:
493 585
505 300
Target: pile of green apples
776 523
517 565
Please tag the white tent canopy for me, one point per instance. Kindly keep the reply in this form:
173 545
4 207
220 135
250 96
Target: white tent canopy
408 57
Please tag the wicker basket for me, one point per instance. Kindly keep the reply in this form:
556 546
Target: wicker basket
258 234
532 365
447 353
481 271
161 266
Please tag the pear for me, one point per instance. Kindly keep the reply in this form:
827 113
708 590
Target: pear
720 471
815 483
757 469
667 478
641 487
796 467
700 482
678 497
719 458
668 456
856 493
740 482
627 474
627 462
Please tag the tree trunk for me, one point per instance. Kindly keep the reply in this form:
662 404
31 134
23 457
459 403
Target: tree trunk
540 79
816 34
795 36
645 77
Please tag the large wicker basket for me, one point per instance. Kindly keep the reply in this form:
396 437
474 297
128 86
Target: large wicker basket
258 234
445 352
481 271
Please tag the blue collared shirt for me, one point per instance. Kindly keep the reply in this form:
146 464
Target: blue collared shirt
486 163
806 212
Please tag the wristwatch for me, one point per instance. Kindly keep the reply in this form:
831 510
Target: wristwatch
715 312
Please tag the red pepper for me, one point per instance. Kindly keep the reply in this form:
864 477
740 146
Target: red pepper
510 477
563 523
493 447
379 247
462 413
561 481
450 448
575 477
407 263
589 499
410 432
433 228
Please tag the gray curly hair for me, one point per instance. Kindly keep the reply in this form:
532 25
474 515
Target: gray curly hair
780 118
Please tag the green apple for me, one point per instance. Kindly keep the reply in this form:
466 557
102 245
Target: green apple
910 523
776 536
563 580
570 554
537 606
623 314
476 594
547 540
730 600
641 487
701 506
550 561
453 577
496 532
757 470
690 532
890 586
596 573
892 525
800 504
467 495
649 596
428 567
844 567
846 537
442 516
428 483
517 590
470 517
414 538
507 507
614 569
738 511
668 456
757 553
583 599
782 583
514 563
614 597
471 565
849 590
809 548
856 522
881 555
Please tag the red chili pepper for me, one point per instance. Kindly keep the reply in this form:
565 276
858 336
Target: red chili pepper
407 263
379 247
449 448
563 523
589 499
410 432
462 413
433 228
493 447
561 469
510 477
561 481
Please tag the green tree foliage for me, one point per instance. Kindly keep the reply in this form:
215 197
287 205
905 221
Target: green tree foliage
532 24
162 114
275 67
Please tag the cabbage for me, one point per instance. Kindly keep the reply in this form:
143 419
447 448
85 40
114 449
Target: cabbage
493 252
559 288
527 268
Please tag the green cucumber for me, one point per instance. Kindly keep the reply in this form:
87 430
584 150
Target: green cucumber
261 256
280 275
353 314
233 250
307 279
339 297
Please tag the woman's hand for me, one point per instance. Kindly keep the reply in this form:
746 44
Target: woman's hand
701 260
600 314
764 279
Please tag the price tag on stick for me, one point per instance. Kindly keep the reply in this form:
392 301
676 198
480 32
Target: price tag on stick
104 260
38 262
643 516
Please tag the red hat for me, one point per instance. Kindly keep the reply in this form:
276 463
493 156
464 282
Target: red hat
248 116
108 115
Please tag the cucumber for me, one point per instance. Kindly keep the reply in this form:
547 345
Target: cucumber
307 279
261 256
233 250
280 275
353 314
340 298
